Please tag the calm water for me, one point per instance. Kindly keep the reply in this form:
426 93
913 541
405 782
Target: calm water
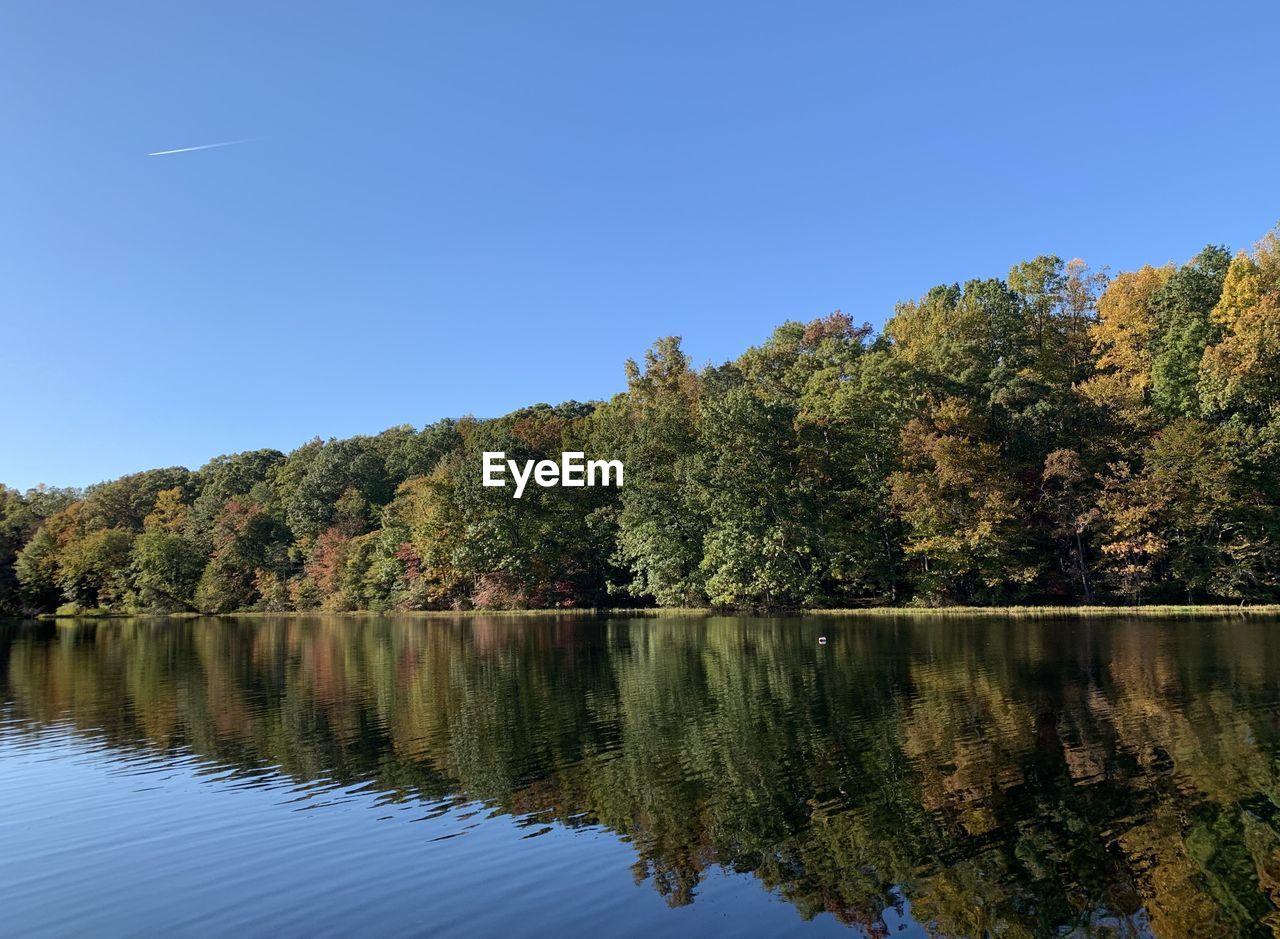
539 776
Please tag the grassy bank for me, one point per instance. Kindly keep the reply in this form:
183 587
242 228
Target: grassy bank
1208 609
1021 612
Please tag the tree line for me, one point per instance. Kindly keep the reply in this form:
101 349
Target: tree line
1055 436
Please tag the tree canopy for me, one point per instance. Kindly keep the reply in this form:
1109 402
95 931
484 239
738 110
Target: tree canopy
1051 436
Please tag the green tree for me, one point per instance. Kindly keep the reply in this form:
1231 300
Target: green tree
331 470
1183 306
761 543
660 531
166 569
21 516
93 570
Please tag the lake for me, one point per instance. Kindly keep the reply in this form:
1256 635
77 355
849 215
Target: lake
552 775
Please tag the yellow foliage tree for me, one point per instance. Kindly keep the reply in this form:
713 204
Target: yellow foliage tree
1242 370
1122 340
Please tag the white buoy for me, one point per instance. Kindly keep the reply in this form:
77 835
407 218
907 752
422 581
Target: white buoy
822 640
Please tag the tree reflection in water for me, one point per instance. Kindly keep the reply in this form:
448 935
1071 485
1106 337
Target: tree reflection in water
1005 776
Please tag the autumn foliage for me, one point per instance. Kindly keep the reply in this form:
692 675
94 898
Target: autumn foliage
1055 436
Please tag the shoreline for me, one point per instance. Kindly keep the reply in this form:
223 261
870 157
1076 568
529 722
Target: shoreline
957 612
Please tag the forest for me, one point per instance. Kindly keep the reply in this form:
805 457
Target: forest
1059 436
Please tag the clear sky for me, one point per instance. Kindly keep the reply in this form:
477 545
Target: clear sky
468 207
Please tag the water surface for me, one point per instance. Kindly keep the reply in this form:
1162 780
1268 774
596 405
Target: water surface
573 775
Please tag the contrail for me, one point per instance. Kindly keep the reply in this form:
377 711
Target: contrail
207 146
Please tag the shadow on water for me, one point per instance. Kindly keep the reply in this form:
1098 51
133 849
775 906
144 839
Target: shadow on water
994 776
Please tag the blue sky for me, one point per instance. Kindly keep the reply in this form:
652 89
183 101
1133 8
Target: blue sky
468 207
